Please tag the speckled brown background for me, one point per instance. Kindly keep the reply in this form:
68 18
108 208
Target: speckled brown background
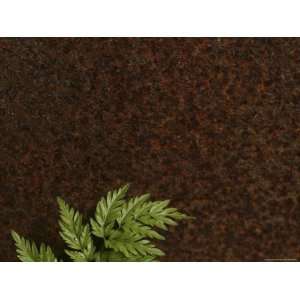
212 124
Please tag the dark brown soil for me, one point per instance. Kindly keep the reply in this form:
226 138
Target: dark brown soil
212 124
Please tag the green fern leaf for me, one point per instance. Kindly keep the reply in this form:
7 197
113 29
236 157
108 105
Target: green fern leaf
130 207
156 214
142 230
46 253
108 211
127 220
28 252
76 235
131 244
76 256
124 228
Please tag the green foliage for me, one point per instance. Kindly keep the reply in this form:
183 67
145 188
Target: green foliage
28 252
123 230
76 234
107 211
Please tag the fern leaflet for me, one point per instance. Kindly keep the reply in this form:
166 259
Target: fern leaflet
76 235
28 252
107 211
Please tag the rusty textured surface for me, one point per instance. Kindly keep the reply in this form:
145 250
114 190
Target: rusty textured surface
212 124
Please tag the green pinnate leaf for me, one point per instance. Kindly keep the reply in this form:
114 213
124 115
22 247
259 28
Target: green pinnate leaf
108 210
156 214
131 244
129 208
27 251
123 230
76 234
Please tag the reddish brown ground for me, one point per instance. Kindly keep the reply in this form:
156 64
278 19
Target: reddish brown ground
213 124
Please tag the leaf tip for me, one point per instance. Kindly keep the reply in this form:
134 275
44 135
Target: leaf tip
15 235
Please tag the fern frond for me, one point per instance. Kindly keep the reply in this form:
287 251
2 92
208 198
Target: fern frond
76 235
46 253
130 207
108 211
28 252
127 219
76 256
131 244
142 230
157 214
125 230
